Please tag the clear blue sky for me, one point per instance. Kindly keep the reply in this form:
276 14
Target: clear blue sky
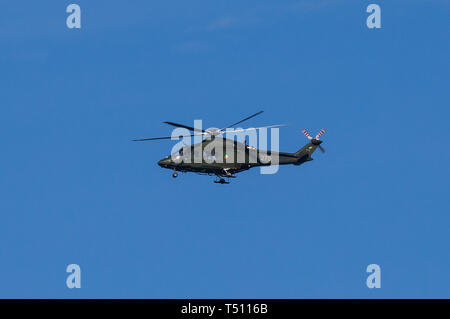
74 189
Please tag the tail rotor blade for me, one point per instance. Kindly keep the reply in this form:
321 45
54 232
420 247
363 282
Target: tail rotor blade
322 131
306 134
322 149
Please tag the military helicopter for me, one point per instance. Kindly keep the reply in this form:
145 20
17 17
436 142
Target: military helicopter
224 157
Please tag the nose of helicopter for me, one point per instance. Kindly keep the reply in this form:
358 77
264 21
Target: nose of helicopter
164 162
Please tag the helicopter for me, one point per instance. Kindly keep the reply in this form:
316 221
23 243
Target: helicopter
225 157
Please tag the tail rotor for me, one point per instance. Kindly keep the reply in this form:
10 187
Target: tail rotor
315 140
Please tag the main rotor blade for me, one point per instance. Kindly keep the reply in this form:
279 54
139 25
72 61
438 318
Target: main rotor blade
184 126
165 137
255 128
247 118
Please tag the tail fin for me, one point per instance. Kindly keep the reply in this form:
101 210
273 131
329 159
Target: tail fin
306 151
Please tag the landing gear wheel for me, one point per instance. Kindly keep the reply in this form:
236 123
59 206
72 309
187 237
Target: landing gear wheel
221 181
174 175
